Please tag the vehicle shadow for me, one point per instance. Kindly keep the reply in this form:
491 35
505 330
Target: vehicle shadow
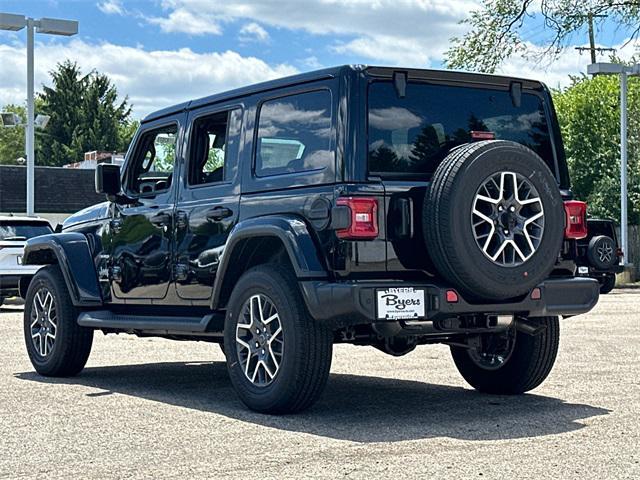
355 408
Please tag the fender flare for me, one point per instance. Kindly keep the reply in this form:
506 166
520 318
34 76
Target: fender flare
72 253
290 230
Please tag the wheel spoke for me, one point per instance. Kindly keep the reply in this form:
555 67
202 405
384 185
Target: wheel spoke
515 218
260 342
44 322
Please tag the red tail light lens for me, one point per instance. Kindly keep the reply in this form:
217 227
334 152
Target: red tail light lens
451 296
364 218
575 225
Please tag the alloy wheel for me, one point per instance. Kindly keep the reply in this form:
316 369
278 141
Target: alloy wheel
259 340
44 322
507 219
605 252
494 350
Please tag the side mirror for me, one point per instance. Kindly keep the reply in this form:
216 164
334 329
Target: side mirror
108 179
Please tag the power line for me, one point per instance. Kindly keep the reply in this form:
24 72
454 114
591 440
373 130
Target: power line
592 37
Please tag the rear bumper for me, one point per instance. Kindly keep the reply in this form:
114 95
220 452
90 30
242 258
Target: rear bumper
341 304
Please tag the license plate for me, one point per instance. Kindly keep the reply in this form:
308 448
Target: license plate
19 259
400 303
583 270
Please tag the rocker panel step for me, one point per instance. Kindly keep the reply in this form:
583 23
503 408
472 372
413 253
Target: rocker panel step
108 319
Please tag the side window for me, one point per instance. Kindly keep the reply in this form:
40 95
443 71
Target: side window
294 134
152 170
212 138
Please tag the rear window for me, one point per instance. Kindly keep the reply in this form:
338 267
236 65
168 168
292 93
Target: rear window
22 230
412 135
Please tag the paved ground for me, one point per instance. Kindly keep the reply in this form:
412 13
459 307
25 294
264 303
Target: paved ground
148 408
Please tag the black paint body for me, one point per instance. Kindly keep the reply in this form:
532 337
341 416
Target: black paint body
169 252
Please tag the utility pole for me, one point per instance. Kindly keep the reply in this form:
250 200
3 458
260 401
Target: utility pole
592 38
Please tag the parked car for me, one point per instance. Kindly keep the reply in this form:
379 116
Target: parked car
599 254
364 205
14 232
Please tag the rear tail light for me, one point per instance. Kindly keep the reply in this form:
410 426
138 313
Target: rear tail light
619 253
364 218
575 226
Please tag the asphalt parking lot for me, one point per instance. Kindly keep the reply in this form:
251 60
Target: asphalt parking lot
151 408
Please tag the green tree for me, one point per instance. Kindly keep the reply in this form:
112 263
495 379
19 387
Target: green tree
12 138
498 29
589 116
86 114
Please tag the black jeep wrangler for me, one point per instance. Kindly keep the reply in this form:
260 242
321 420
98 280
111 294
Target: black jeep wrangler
363 205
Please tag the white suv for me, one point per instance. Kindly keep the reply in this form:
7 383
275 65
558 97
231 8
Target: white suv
14 232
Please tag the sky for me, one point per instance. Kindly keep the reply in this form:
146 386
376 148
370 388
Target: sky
161 52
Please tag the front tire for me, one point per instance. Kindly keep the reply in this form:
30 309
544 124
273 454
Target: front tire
514 370
278 357
57 346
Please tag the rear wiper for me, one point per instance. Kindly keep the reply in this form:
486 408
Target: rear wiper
14 238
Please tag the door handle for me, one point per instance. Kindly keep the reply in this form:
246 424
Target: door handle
218 213
161 219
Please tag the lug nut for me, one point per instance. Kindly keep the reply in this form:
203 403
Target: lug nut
512 209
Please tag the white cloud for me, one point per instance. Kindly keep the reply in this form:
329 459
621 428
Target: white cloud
555 73
185 21
391 50
311 62
111 7
253 32
152 79
393 31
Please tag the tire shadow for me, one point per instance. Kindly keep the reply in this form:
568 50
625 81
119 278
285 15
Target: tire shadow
356 408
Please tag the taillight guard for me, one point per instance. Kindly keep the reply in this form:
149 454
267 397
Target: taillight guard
575 225
364 218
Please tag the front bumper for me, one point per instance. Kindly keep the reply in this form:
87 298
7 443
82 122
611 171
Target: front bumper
341 304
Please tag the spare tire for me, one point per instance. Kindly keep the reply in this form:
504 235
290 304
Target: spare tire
601 252
493 220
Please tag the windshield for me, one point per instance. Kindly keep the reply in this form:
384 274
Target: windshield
412 135
22 230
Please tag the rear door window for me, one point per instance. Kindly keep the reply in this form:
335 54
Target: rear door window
22 230
410 136
294 134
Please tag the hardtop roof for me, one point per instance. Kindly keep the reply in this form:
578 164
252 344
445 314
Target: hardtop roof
334 72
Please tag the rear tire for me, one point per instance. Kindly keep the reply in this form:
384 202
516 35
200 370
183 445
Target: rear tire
493 220
601 252
529 362
278 357
608 284
57 346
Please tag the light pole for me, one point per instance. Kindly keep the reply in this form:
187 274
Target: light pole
623 71
53 26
